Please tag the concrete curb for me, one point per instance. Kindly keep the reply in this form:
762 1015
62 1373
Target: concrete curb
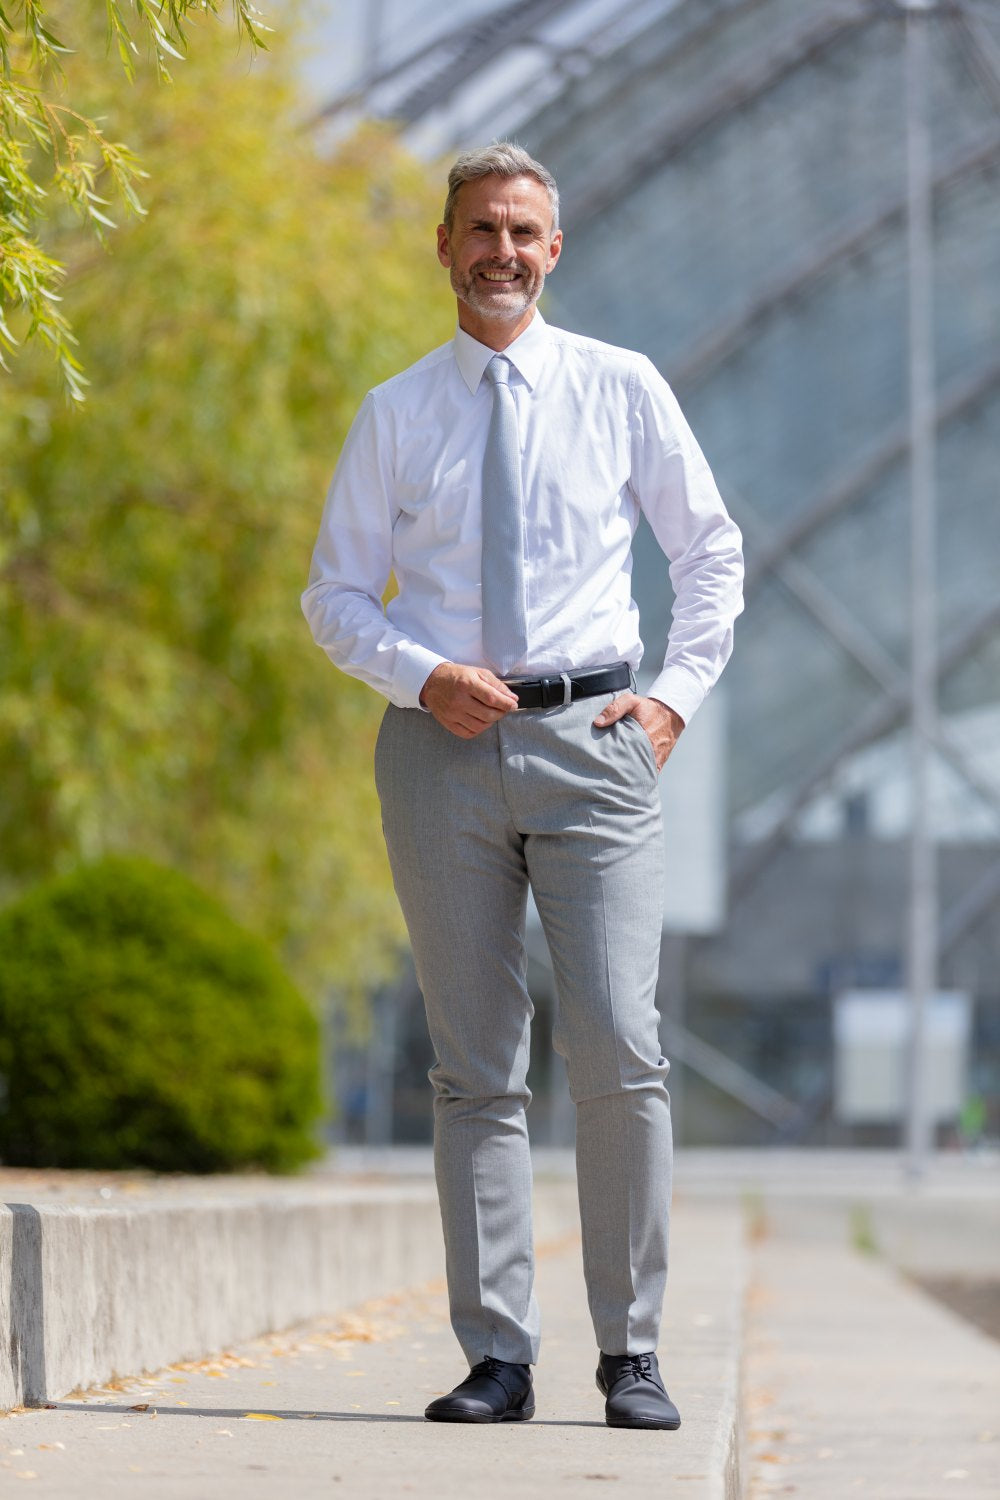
728 1468
87 1294
705 1319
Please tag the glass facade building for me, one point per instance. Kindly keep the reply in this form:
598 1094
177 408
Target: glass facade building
734 179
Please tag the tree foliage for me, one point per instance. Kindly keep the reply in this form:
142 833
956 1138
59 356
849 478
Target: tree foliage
159 690
54 152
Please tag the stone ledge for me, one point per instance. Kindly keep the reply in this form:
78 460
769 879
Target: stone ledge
89 1293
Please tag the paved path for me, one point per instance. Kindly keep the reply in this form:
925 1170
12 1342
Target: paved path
337 1407
856 1382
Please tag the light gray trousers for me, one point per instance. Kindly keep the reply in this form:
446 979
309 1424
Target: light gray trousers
545 796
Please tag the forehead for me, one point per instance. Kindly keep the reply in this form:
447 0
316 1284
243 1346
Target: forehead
503 197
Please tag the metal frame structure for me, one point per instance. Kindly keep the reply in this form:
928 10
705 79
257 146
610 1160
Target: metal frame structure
658 34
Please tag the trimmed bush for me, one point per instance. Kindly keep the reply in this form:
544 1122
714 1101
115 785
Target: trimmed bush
140 1026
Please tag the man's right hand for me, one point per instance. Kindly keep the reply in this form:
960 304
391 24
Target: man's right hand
466 700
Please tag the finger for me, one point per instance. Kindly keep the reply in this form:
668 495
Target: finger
490 689
469 717
474 719
469 706
497 703
622 705
478 718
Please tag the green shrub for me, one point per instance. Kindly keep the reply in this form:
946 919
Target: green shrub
140 1026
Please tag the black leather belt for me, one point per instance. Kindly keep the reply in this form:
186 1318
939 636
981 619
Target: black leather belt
567 687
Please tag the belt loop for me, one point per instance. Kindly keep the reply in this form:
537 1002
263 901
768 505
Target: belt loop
567 688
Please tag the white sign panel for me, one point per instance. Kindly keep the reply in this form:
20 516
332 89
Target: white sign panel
871 1031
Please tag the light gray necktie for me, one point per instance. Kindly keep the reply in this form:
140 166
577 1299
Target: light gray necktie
505 636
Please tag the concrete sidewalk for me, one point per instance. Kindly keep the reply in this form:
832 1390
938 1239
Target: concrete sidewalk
336 1407
856 1381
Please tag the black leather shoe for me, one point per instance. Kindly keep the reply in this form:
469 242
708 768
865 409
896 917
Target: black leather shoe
636 1394
493 1391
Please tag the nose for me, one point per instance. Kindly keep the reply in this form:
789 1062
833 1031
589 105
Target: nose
504 245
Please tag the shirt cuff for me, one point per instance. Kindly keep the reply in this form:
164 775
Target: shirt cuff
677 689
415 665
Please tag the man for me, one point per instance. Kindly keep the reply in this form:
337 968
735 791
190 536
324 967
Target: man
501 479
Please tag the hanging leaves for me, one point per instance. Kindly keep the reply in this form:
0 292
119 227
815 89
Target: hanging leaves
52 155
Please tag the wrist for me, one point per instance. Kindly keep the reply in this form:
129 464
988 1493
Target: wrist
676 722
437 671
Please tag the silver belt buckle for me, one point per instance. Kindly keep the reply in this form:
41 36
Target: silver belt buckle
567 688
513 682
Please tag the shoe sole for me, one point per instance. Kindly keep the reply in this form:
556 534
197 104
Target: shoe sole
653 1426
524 1415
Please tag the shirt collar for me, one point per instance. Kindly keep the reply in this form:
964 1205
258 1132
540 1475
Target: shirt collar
526 353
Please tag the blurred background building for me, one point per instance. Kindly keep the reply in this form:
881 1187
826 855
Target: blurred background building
795 213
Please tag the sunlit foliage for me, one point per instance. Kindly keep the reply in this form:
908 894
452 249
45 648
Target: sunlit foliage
159 691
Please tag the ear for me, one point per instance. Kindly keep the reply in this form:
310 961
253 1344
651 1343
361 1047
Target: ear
443 247
555 250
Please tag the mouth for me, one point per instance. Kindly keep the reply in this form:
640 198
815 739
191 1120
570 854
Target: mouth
508 277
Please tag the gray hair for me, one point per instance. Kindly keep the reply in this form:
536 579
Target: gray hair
502 159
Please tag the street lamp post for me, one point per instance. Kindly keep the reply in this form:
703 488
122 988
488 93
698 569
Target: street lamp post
922 937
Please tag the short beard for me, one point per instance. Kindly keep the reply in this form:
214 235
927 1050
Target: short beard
503 307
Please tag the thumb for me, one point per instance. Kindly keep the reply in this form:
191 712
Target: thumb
616 710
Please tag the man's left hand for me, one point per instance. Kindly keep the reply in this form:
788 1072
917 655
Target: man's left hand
660 722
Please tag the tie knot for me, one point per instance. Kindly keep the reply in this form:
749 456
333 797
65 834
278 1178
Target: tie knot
498 370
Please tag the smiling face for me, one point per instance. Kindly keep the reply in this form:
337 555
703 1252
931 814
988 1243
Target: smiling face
499 250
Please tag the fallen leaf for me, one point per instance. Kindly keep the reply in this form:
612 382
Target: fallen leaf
140 1406
261 1416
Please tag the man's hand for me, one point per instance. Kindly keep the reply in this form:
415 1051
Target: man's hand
466 700
660 722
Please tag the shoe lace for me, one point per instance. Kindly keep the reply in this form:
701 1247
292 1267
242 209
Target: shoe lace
488 1365
639 1366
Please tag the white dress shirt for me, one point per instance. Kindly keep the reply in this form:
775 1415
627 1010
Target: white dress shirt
602 437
